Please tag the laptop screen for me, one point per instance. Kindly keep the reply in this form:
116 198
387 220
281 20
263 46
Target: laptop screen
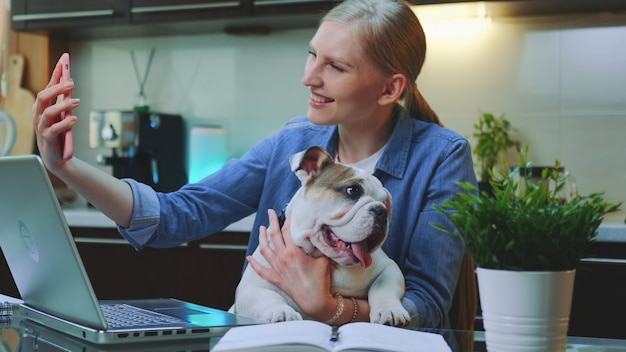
39 247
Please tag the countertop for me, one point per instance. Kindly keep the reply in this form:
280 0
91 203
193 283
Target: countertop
91 217
613 229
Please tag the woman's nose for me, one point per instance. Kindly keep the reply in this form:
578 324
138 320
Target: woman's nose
311 77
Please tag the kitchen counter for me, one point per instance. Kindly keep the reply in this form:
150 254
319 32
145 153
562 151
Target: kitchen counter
612 230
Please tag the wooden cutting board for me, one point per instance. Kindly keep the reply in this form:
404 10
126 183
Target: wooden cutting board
19 104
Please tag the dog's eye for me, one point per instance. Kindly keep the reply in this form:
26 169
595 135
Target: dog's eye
354 191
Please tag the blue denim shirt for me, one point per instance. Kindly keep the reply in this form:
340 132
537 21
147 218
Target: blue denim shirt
420 167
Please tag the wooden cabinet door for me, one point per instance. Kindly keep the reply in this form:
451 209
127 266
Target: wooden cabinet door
204 272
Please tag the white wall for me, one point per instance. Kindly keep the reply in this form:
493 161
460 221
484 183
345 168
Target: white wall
561 82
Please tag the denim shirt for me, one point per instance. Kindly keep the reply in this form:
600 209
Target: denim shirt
420 167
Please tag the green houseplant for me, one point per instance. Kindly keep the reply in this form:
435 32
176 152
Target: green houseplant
527 241
526 224
493 138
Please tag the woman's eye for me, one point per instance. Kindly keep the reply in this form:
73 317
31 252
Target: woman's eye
332 65
354 191
337 67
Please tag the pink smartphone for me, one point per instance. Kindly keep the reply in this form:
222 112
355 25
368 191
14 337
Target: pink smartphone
66 139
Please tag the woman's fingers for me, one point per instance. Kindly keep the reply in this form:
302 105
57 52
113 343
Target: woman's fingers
47 111
56 74
276 235
45 98
286 232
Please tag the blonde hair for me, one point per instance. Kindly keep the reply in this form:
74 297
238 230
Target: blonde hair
392 36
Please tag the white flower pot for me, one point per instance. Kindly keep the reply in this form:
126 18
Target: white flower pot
525 311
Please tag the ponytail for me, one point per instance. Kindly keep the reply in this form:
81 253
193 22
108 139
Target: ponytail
417 106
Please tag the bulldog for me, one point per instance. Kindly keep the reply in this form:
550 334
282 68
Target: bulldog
343 213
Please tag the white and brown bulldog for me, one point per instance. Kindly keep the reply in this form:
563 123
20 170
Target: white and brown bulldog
343 213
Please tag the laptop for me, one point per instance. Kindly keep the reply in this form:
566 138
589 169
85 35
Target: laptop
36 337
52 280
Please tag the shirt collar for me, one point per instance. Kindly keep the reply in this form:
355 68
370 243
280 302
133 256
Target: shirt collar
395 156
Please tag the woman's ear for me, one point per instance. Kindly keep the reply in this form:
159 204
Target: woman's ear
393 89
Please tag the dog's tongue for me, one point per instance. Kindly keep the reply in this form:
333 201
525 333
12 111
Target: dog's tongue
362 253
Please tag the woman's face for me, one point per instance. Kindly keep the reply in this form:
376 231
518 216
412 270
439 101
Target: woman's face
344 84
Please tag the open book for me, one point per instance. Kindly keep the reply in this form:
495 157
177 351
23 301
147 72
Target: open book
308 335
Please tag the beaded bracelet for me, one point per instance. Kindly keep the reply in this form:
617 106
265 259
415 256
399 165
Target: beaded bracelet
356 309
339 309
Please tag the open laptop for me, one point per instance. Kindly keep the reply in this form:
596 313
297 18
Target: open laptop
36 337
52 281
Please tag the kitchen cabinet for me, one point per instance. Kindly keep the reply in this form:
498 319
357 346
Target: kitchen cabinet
164 11
290 7
598 307
205 272
141 16
76 19
28 15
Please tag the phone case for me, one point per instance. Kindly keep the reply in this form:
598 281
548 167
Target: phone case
67 142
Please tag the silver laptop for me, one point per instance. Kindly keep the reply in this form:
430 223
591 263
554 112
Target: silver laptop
36 337
52 281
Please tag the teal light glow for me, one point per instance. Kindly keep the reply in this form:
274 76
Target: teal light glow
207 151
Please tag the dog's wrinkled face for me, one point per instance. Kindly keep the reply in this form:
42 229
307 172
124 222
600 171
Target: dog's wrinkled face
341 212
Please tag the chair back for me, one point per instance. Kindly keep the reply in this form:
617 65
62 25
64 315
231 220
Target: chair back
465 304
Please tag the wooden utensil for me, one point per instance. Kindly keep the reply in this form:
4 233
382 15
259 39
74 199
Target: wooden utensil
18 103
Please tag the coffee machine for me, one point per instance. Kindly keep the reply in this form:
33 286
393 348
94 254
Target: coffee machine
146 146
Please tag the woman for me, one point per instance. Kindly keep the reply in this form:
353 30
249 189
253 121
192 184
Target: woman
365 109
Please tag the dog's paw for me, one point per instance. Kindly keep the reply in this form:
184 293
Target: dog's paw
280 314
392 314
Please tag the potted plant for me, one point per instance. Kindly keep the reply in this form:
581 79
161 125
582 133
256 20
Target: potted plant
529 239
493 138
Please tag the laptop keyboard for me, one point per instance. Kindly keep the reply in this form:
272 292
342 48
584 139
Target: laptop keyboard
124 315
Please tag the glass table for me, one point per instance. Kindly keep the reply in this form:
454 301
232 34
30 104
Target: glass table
19 334
574 344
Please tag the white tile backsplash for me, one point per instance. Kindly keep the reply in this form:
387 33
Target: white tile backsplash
560 80
594 149
593 70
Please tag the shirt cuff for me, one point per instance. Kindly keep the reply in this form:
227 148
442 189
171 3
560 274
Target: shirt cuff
146 215
412 309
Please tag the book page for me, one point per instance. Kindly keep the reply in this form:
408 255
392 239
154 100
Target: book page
375 337
269 337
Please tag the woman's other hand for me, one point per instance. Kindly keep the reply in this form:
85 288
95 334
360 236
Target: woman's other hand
304 278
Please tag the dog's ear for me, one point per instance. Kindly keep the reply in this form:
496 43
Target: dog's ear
310 162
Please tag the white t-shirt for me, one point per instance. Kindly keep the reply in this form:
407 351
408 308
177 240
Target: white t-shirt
368 164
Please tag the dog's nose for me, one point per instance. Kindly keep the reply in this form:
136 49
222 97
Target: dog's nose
379 212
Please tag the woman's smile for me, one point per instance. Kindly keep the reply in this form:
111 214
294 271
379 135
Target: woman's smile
318 100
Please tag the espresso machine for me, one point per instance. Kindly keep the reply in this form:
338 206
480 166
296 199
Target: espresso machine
146 146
